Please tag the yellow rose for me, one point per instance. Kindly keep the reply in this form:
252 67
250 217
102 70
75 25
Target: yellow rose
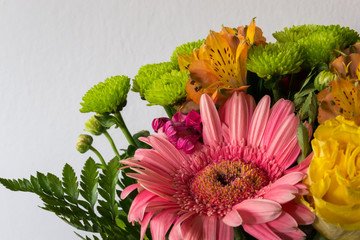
334 174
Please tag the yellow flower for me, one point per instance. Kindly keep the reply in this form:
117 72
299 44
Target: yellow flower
334 174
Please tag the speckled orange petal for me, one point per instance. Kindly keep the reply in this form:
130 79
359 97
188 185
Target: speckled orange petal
184 60
354 67
222 57
250 32
346 97
327 108
201 72
338 66
241 57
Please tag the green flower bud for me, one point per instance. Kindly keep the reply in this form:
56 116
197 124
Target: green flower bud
83 143
323 78
149 73
107 97
186 48
94 127
275 59
168 90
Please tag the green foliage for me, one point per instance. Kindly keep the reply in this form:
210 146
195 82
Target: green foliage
168 90
303 140
107 97
149 73
186 48
104 214
275 59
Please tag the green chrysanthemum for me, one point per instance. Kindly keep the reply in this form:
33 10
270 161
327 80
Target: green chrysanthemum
149 73
295 33
318 42
275 59
186 48
318 48
107 97
168 90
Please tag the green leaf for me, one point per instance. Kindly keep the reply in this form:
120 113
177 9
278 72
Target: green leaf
70 184
139 143
44 184
55 185
309 108
89 182
107 120
303 140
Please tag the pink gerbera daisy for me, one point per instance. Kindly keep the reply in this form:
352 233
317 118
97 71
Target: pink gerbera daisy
238 176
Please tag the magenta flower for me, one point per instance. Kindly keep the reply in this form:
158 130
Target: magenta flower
182 130
238 176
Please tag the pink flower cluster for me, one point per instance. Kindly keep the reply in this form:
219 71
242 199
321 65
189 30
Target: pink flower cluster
182 130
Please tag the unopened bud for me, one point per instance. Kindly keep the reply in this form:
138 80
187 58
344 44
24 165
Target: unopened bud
323 78
83 143
94 127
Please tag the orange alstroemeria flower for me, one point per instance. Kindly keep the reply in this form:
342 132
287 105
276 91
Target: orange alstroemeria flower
218 67
342 97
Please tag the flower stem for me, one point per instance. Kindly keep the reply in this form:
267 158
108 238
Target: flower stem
124 129
111 141
291 85
99 156
169 111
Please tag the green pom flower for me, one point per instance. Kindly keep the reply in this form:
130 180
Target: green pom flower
107 97
295 33
147 74
186 48
168 90
318 42
275 59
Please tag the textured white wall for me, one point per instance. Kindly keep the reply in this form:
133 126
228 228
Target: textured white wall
52 52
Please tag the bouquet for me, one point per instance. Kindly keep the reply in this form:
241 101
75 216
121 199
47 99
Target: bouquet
261 141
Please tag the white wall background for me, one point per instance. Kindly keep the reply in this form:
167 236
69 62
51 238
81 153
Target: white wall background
52 52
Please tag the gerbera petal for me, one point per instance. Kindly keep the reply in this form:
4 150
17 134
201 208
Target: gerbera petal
261 231
210 228
279 112
299 212
238 117
289 179
192 228
168 151
281 193
259 121
128 190
154 159
232 218
138 206
285 132
161 223
295 235
284 223
224 231
175 233
255 211
145 223
212 133
288 154
303 166
251 104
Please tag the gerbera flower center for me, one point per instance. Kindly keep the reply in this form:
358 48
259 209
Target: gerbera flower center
224 184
